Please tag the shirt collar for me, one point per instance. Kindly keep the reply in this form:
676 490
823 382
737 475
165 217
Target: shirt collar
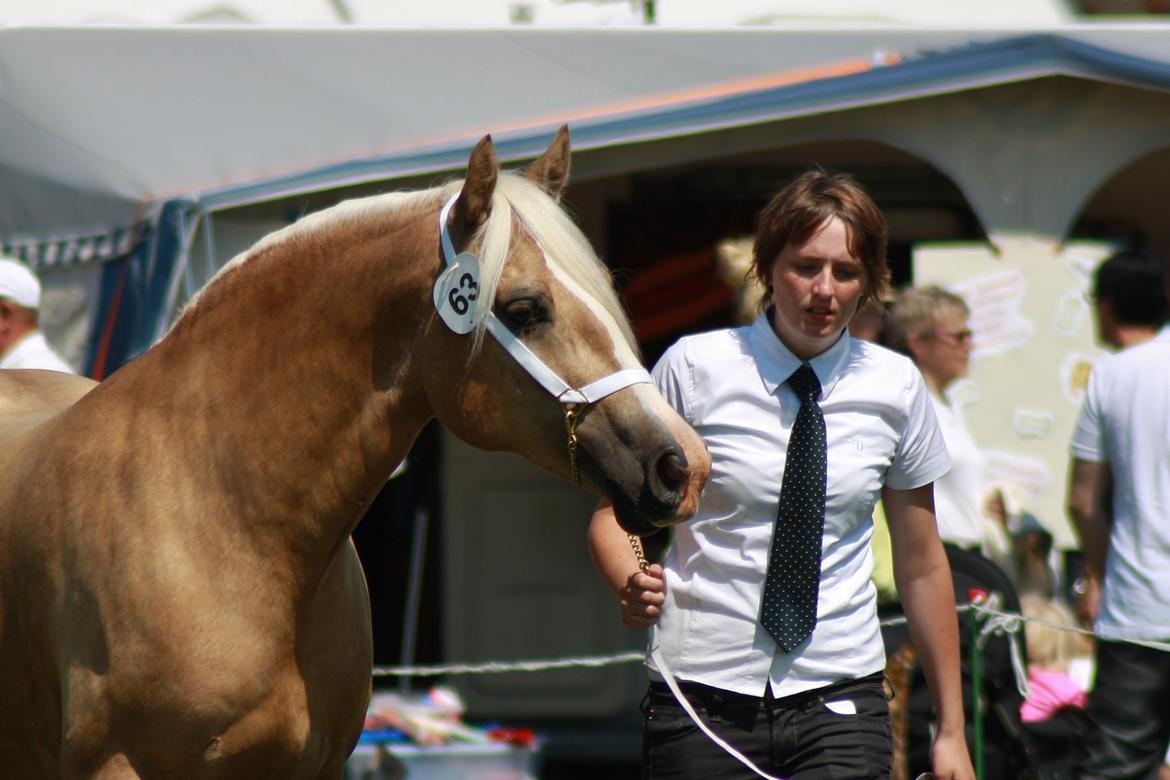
776 362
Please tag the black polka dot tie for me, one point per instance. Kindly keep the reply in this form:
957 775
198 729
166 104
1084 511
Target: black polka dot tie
789 608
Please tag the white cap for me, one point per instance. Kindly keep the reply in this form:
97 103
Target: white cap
19 284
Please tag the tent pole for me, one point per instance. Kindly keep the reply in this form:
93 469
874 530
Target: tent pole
418 547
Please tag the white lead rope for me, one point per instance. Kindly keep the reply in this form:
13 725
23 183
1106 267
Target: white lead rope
672 684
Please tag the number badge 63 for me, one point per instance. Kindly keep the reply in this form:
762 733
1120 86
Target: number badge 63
456 293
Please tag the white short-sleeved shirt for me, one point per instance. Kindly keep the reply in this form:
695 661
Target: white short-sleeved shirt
881 430
33 351
1125 422
958 494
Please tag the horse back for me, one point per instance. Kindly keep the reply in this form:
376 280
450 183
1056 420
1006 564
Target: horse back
29 400
35 392
30 403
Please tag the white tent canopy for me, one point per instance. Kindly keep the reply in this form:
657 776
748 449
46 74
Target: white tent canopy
471 13
122 139
96 124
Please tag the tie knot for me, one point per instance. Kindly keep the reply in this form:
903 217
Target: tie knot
805 384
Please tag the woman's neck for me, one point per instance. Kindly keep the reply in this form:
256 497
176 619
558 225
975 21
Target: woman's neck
935 384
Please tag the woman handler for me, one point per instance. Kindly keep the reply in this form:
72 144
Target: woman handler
789 670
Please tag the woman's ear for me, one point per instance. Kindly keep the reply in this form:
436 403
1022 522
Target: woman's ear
914 345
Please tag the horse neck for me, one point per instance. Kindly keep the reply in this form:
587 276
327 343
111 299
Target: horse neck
293 375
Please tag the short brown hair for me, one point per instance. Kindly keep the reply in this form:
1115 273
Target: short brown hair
799 210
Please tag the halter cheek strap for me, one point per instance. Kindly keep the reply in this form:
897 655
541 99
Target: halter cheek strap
551 381
537 368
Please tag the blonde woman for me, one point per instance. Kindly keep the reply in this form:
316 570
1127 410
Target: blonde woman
932 326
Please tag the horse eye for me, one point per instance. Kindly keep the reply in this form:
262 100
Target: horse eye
524 315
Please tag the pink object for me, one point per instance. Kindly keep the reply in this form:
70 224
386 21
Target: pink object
1050 692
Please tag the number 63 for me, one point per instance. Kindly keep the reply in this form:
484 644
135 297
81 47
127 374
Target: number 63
459 300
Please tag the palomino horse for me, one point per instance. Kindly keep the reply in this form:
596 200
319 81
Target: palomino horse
179 597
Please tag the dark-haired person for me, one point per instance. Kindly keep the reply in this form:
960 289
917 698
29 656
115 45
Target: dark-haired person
1129 298
818 708
1119 501
1129 306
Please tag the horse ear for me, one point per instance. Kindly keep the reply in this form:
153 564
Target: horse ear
475 200
550 171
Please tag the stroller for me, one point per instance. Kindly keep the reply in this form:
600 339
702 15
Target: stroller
1010 749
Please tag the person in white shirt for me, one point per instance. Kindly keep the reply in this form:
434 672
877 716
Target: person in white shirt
818 710
931 325
22 345
1119 501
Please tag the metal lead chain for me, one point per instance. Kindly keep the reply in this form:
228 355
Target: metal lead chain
572 411
639 552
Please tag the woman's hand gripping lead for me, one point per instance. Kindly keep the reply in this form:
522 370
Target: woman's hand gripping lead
642 597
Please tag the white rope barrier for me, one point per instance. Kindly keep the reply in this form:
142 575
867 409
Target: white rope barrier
1007 624
998 622
497 667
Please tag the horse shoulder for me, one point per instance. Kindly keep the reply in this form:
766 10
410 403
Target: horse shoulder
238 695
32 404
31 401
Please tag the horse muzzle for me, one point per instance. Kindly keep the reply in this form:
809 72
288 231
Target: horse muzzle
663 487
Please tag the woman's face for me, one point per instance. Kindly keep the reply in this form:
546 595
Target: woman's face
816 288
944 353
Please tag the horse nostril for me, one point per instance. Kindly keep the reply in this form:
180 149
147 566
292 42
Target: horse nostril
672 470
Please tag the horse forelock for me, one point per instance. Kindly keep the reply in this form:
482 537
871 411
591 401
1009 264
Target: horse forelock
568 252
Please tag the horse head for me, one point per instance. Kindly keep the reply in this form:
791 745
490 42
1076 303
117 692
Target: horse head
560 380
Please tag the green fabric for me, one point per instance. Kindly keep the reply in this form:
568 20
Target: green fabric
883 558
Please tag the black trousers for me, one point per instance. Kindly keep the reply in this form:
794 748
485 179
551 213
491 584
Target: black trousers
1130 707
839 731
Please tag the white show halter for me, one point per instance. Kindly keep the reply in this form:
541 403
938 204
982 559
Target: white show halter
462 313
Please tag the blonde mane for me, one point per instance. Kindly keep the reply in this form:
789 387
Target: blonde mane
564 245
385 206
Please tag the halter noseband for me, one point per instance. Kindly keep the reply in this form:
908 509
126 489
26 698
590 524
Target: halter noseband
574 399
